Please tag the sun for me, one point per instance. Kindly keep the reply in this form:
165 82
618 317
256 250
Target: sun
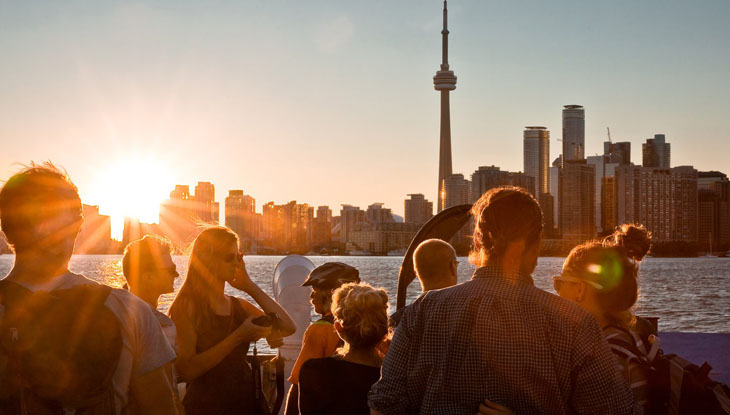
133 187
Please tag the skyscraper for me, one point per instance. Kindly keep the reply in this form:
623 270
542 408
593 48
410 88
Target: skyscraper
444 82
456 191
663 200
577 200
619 153
574 133
536 157
418 210
656 152
240 216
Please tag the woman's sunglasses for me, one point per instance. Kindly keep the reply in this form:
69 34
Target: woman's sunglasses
231 257
558 281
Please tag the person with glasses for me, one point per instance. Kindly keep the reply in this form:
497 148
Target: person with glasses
436 267
149 271
215 329
602 277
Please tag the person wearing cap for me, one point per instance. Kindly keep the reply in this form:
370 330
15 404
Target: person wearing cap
320 339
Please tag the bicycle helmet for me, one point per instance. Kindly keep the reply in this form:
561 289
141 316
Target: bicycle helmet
331 275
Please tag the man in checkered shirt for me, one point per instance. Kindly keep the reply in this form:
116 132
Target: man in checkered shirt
498 337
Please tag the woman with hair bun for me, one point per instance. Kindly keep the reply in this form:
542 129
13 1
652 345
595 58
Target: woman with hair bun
602 277
340 384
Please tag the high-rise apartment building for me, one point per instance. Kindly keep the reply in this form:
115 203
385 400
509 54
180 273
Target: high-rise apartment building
713 211
241 217
619 153
96 232
663 200
178 219
322 227
555 190
577 201
376 213
536 157
603 169
656 152
456 191
418 210
574 133
206 208
350 216
489 177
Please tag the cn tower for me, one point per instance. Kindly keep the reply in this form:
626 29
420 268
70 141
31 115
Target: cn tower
444 81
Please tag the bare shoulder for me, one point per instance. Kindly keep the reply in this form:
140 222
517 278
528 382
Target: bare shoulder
249 308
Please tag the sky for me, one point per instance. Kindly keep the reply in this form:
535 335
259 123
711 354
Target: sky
332 102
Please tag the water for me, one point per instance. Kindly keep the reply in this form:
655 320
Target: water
687 294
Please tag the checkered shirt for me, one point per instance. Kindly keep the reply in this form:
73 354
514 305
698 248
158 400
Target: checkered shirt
502 339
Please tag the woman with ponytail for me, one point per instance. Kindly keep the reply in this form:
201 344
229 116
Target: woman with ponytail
340 384
602 277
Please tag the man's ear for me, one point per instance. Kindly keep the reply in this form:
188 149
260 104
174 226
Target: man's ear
581 292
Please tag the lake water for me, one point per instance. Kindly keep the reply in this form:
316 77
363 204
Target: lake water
687 294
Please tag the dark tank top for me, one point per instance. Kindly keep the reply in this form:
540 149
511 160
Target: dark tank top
227 388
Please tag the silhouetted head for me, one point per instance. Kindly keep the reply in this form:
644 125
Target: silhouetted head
507 228
40 211
602 275
147 265
435 264
214 259
361 315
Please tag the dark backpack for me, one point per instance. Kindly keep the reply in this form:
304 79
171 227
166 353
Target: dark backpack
675 385
58 350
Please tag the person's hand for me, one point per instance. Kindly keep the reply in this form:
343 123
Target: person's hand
275 340
490 408
241 279
250 332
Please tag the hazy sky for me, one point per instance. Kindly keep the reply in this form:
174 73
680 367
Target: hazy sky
331 102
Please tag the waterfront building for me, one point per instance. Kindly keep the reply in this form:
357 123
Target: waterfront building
444 82
608 204
574 133
663 200
555 190
96 232
381 238
241 217
134 229
577 199
287 227
178 217
536 158
456 191
418 210
322 227
619 153
376 213
713 211
206 208
656 152
350 216
603 169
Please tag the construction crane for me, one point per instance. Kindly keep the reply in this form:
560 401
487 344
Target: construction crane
609 134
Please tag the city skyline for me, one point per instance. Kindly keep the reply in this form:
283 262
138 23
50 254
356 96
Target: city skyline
213 96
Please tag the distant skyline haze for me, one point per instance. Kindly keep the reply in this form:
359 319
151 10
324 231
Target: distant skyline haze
332 102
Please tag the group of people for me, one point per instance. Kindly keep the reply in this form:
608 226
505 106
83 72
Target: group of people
495 344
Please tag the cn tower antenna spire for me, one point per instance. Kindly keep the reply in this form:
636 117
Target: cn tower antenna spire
444 82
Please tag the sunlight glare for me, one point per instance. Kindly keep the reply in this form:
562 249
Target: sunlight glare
133 188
